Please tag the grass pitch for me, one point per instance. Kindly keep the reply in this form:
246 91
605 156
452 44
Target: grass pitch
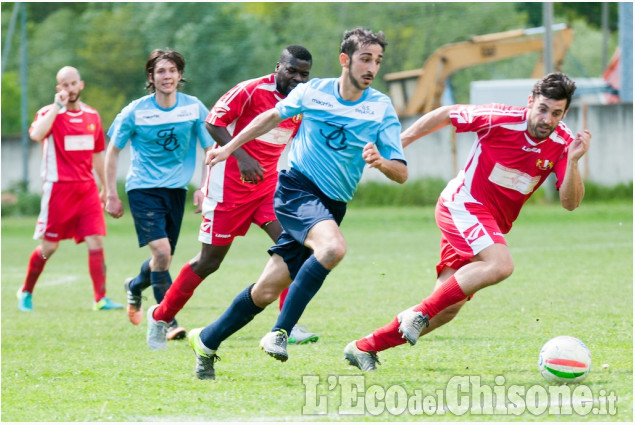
574 275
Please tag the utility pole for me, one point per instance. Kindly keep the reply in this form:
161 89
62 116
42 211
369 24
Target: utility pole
23 103
547 23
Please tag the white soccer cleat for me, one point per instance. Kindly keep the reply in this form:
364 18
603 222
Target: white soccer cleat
411 323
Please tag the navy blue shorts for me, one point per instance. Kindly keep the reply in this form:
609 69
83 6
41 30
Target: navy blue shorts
157 213
299 205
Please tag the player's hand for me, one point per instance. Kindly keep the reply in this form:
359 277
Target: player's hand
198 199
62 97
250 170
103 197
216 155
371 155
114 207
580 145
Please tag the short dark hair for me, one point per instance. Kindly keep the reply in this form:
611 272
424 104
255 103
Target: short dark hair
159 54
354 39
297 52
555 86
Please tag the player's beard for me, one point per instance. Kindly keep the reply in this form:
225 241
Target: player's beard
535 129
74 99
355 82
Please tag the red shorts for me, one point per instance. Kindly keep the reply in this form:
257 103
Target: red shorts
466 229
70 210
222 221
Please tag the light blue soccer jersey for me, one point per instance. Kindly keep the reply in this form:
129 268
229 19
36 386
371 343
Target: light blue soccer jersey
162 141
328 146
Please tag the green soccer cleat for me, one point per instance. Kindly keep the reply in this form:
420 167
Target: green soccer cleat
363 360
25 300
204 362
299 335
106 304
275 344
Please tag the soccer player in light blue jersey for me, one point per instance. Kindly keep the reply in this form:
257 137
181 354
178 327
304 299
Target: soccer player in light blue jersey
345 126
163 128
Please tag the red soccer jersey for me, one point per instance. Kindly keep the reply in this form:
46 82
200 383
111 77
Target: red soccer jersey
68 148
506 165
234 110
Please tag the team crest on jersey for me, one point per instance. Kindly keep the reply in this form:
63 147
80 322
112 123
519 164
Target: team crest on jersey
91 127
544 164
296 118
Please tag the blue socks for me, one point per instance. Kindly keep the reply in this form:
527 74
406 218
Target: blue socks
161 282
142 280
240 312
306 284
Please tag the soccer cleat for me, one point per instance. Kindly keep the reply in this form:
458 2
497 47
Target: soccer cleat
411 324
106 304
25 300
275 344
204 362
175 331
157 332
299 335
363 360
134 309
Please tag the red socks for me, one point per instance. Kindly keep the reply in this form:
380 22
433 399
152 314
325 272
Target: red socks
36 265
179 293
283 296
97 269
449 293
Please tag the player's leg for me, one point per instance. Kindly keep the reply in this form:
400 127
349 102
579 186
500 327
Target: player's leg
247 304
97 271
37 261
299 334
329 247
47 224
206 262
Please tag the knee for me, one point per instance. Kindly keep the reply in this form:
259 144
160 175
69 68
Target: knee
502 269
263 295
331 254
161 259
203 267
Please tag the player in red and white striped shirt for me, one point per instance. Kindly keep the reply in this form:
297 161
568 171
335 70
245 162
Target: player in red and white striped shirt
515 151
72 147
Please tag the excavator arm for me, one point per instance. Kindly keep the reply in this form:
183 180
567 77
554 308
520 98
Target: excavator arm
425 94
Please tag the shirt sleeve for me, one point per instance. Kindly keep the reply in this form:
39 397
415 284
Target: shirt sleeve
230 106
100 141
122 128
466 118
389 139
292 105
205 139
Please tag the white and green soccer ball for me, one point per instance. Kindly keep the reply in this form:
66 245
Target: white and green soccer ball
564 360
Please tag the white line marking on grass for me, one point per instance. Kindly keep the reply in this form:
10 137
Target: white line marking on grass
61 281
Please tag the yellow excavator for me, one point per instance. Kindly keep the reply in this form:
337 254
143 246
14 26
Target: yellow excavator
420 90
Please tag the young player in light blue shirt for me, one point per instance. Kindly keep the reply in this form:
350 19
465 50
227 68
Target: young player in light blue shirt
346 125
163 129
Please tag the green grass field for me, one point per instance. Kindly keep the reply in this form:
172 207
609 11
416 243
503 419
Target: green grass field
574 275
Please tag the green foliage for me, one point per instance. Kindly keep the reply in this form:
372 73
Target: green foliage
423 192
66 363
11 98
225 42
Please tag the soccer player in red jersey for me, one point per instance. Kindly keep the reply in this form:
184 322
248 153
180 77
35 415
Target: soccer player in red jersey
72 206
515 151
239 191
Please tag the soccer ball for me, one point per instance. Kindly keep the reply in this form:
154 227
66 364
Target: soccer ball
564 360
